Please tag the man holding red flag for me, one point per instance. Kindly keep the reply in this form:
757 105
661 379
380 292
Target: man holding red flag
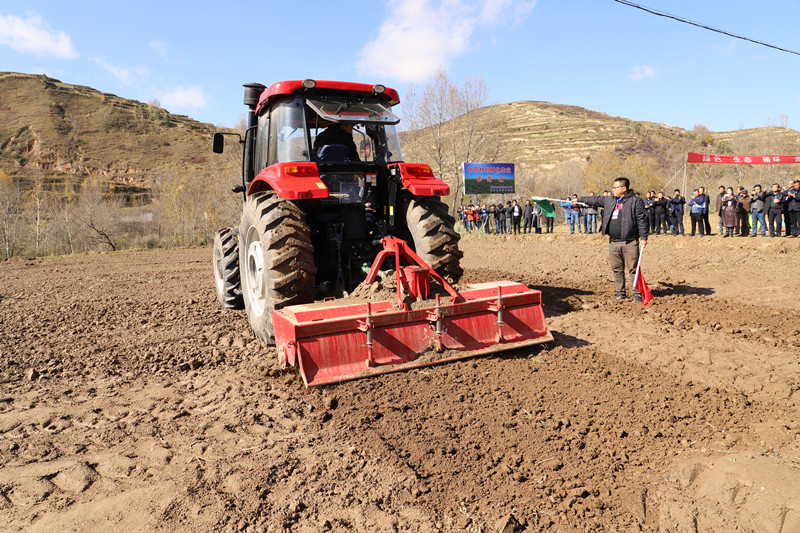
625 223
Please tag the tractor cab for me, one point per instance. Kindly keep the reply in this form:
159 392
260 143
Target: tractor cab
351 140
288 131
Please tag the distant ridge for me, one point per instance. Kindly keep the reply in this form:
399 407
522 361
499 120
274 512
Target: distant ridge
51 127
541 135
59 129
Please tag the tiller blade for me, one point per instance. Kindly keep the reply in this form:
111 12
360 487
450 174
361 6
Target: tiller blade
339 340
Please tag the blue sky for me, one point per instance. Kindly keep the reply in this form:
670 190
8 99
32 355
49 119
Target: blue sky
598 54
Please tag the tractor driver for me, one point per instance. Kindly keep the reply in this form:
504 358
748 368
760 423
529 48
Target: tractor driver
341 134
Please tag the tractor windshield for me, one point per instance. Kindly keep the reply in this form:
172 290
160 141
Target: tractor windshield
392 145
352 110
289 133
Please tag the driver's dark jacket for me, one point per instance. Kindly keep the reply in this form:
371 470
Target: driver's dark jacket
334 134
633 216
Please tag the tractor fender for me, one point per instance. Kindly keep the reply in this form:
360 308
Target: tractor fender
418 178
291 181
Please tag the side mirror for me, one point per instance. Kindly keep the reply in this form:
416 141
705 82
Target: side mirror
218 143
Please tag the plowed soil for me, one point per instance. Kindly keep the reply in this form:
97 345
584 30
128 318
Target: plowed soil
130 401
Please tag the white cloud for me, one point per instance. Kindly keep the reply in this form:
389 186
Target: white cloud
164 51
34 36
183 99
641 73
160 47
420 35
125 74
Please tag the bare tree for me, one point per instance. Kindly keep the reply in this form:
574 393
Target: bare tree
40 212
569 179
445 127
191 207
473 133
100 216
11 201
426 117
66 217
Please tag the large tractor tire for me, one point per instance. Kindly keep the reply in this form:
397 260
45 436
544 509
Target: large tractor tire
434 237
276 258
226 269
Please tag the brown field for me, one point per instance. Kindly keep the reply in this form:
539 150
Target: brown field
129 401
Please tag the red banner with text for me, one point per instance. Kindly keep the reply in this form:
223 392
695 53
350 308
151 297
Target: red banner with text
743 159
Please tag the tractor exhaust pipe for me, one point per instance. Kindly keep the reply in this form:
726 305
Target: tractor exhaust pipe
252 92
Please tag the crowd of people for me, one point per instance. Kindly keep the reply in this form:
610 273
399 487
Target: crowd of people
740 213
510 218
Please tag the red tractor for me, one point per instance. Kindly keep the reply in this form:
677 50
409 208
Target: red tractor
326 191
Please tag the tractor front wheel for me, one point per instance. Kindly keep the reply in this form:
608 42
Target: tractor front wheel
226 269
276 259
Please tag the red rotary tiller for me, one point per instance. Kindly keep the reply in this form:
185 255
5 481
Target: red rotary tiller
343 339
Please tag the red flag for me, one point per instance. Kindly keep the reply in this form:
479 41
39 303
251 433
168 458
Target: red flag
643 289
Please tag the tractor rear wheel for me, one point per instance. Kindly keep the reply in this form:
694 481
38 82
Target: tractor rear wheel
276 258
435 238
226 268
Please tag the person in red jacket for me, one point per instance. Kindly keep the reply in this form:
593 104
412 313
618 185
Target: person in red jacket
470 217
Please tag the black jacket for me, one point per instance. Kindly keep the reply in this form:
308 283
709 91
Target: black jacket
676 205
334 134
770 197
793 201
633 216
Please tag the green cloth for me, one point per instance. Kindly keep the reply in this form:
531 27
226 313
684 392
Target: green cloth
547 208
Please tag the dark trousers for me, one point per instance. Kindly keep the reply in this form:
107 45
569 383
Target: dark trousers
651 220
787 221
775 222
697 220
677 223
661 222
528 224
743 220
515 224
706 223
549 221
623 256
794 223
